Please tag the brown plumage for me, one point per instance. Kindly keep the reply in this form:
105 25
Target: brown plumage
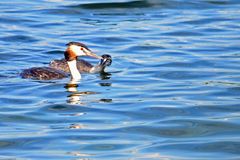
61 64
73 50
43 73
82 65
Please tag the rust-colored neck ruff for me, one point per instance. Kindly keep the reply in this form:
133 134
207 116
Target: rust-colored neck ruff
70 55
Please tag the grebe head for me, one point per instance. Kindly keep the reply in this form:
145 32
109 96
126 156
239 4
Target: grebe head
106 60
75 49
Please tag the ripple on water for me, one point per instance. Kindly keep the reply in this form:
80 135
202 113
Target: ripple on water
18 38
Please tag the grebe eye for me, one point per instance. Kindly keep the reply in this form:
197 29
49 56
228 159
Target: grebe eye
81 48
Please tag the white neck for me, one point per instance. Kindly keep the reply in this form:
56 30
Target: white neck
73 70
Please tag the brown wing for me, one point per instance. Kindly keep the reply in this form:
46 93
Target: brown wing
82 65
59 65
43 73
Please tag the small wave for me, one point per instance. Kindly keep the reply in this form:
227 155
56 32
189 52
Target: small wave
18 38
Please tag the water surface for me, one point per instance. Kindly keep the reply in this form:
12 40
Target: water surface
172 91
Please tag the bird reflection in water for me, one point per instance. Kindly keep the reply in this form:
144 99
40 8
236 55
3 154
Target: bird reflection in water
105 76
75 96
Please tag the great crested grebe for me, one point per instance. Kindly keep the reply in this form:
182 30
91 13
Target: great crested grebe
82 65
74 49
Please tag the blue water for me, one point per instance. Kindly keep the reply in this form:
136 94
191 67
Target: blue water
171 93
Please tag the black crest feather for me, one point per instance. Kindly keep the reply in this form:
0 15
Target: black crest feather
77 44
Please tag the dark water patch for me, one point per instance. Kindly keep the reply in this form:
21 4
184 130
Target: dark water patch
185 75
213 31
88 114
14 20
47 25
18 39
121 14
106 147
7 144
62 11
15 100
164 110
59 108
218 111
229 147
130 4
166 132
197 148
145 48
183 33
172 4
187 65
18 118
206 21
214 2
222 83
113 40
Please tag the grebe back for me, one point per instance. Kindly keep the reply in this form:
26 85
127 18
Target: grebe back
82 65
43 73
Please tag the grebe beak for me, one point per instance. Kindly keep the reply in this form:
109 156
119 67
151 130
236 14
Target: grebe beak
91 54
